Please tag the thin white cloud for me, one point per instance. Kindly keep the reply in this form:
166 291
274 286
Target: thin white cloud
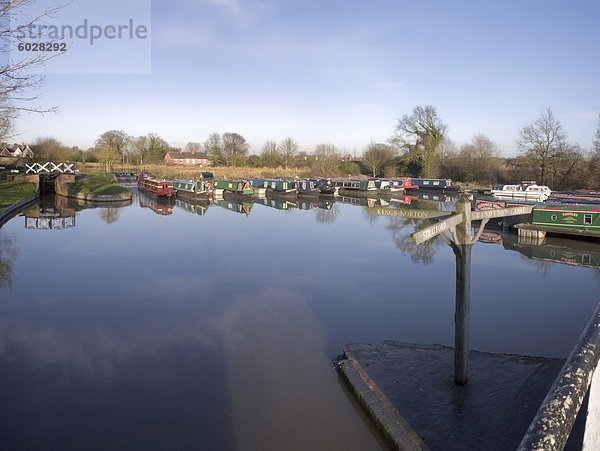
388 85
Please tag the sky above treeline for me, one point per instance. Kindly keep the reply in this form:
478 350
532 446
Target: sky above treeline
339 72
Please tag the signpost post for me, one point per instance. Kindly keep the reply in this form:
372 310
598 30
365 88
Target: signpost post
460 228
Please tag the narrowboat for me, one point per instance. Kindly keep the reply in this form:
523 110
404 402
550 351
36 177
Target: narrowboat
280 187
241 187
528 190
306 187
445 184
259 187
326 187
394 186
357 187
574 217
577 196
191 189
159 188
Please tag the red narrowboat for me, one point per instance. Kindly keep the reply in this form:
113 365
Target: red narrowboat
160 188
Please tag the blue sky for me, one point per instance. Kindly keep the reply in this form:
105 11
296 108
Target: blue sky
342 72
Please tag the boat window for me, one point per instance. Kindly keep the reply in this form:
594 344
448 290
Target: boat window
553 217
426 183
587 219
436 183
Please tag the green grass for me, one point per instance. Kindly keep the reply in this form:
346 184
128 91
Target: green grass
99 183
12 192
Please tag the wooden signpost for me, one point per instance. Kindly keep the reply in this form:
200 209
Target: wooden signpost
460 228
459 225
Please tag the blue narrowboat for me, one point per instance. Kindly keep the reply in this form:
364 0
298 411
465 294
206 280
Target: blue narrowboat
306 187
435 184
326 187
356 187
394 186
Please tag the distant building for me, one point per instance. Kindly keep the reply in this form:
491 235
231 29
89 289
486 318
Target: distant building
187 158
17 151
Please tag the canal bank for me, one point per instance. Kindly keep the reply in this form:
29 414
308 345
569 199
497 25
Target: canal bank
16 208
510 401
409 392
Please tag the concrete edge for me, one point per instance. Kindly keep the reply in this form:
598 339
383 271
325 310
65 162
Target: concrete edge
16 208
551 427
386 417
98 197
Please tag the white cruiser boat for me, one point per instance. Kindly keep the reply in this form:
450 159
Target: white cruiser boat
527 190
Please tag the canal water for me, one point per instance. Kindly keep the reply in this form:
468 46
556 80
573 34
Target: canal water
215 327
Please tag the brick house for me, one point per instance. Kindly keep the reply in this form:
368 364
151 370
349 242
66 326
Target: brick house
22 151
187 158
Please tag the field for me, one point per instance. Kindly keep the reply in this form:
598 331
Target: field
191 172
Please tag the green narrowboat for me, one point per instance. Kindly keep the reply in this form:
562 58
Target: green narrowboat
280 187
191 189
243 187
574 217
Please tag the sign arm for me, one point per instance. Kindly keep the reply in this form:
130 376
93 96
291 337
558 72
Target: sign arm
480 230
453 232
447 239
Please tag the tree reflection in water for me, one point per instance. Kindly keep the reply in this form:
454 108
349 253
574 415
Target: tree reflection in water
109 215
402 228
327 216
8 253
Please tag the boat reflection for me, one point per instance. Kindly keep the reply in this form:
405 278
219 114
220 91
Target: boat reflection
160 206
274 202
551 249
197 207
235 206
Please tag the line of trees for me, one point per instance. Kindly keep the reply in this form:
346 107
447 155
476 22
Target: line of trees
419 146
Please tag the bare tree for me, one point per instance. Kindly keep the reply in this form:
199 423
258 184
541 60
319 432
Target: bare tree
597 137
213 148
112 147
378 157
567 169
17 81
593 168
288 149
325 159
418 136
196 146
51 149
235 148
270 155
479 160
444 155
541 141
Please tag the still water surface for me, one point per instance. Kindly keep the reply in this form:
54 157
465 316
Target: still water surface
154 326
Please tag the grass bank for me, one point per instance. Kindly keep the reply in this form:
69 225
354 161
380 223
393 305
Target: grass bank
98 183
12 192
